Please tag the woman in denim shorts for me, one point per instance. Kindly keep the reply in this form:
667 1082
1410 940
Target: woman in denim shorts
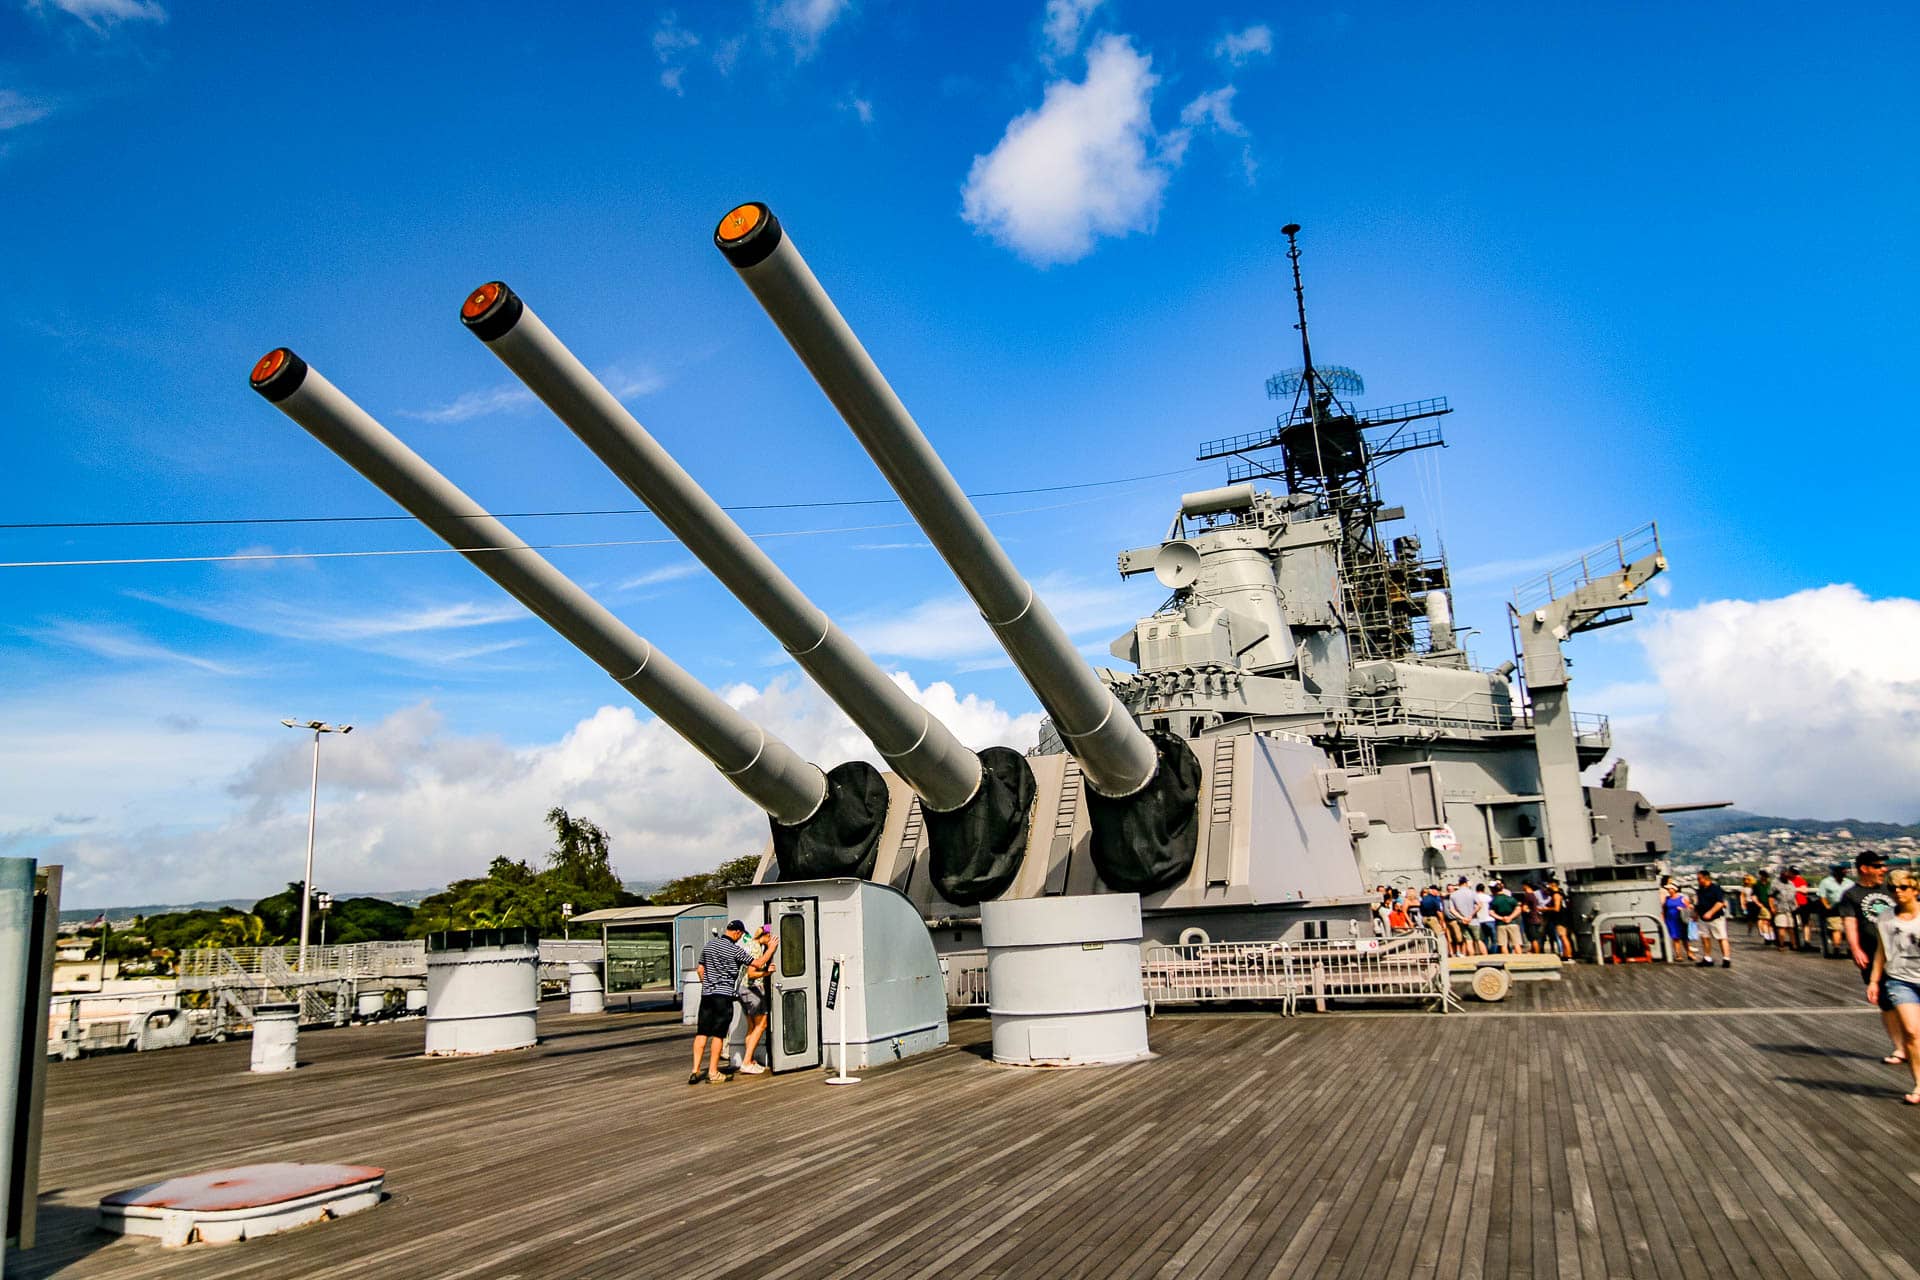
1896 967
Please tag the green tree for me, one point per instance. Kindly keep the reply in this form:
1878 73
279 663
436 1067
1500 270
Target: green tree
709 886
579 871
580 855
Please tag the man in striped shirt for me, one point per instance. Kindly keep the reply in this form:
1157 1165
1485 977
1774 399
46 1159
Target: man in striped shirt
720 963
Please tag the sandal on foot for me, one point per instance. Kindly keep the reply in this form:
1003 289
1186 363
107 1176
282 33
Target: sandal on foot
1912 1099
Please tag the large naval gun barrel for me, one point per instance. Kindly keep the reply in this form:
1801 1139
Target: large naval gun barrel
1142 789
842 809
938 766
920 748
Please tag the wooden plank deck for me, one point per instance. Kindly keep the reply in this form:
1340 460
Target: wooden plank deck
1637 1121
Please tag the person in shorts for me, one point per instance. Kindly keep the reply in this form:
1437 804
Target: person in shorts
1895 977
1860 910
720 963
1710 910
755 1000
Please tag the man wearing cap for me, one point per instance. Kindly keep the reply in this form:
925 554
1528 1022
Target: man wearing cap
720 963
1860 907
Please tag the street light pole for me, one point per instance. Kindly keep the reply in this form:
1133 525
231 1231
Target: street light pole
313 807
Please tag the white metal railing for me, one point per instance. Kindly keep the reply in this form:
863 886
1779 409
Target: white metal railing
1404 968
966 977
1201 972
277 966
1408 967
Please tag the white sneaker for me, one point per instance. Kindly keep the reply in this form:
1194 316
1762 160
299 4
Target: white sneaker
753 1069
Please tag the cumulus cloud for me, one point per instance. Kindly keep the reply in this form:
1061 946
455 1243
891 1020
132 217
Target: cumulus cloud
1806 706
17 110
407 803
803 22
1064 23
1084 164
1237 48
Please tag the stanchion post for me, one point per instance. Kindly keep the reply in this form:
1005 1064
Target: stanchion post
833 999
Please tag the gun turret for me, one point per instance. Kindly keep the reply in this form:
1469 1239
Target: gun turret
838 813
938 766
1142 790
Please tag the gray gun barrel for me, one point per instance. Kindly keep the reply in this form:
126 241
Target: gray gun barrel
769 772
920 748
1116 756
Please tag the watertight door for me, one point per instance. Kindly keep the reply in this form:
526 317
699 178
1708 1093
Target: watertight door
795 1024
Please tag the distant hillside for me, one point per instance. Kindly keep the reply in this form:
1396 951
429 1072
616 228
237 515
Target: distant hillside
80 915
1693 831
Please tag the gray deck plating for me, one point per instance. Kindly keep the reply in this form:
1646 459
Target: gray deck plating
1463 1146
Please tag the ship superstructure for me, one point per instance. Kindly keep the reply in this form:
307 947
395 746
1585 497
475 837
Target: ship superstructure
1300 608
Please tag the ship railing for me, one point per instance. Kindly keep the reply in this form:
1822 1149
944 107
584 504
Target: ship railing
1603 561
204 967
1473 712
1405 968
965 973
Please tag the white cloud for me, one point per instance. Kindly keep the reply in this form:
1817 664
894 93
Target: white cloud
1805 706
949 628
102 14
671 44
1240 47
16 110
631 382
803 22
406 803
475 404
862 108
664 574
265 558
393 634
1064 23
625 381
125 646
293 621
1215 109
1212 110
1086 163
1507 574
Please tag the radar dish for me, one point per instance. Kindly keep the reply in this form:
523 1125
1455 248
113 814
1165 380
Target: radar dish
1177 565
1335 377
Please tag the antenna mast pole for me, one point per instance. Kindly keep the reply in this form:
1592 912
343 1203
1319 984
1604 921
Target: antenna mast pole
1308 377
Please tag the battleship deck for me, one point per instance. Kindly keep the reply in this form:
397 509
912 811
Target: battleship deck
1634 1121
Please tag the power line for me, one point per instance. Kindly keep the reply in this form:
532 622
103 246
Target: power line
530 515
547 546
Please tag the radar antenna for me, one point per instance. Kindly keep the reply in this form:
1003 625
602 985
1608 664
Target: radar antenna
1331 452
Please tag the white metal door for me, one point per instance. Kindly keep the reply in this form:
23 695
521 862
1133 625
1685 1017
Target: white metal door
794 1027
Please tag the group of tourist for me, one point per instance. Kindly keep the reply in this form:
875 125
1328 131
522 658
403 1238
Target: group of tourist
1864 913
1698 916
1484 918
731 974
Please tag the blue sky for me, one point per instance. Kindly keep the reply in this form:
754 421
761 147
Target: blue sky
1660 259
